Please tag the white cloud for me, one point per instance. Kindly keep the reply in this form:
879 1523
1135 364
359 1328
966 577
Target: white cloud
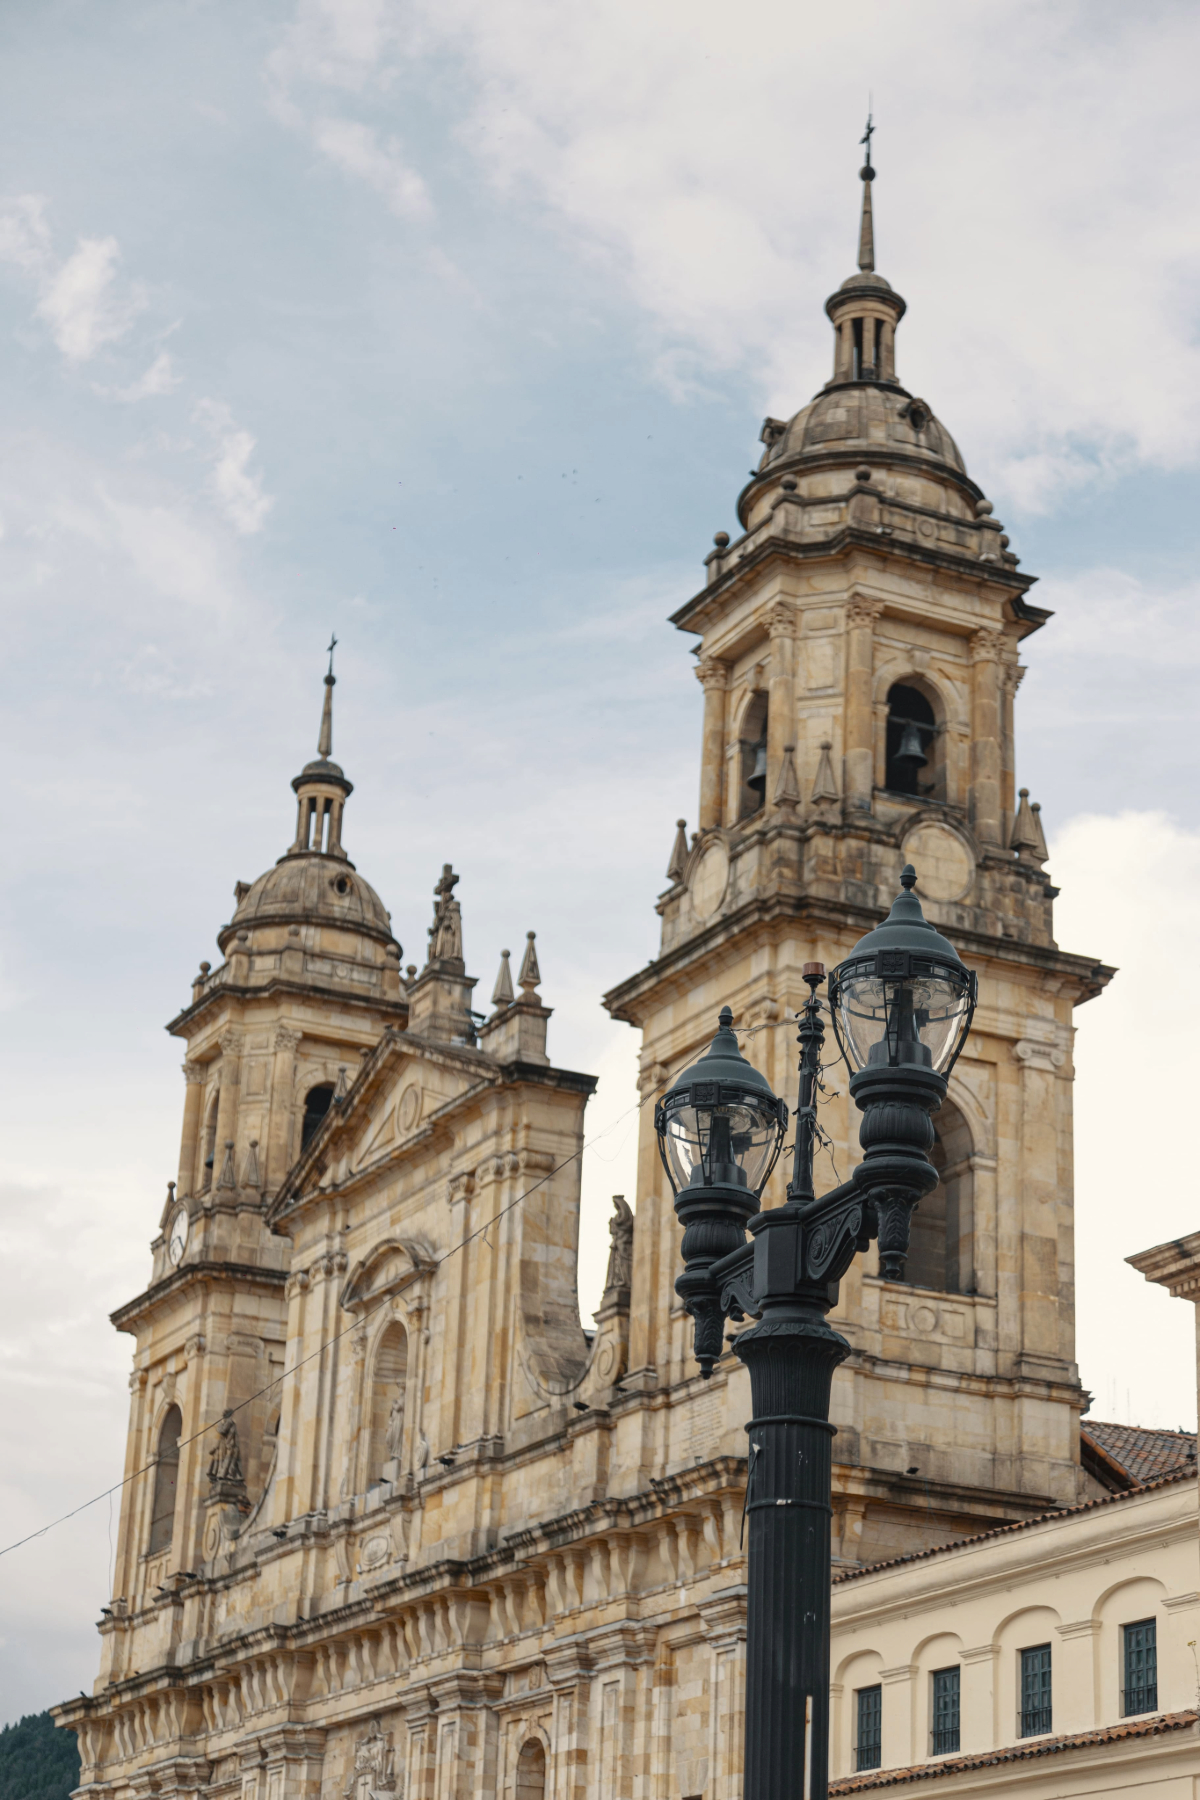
1033 202
357 150
24 233
355 48
160 378
1129 887
238 488
83 302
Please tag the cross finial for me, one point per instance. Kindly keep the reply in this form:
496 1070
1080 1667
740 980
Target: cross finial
332 644
866 139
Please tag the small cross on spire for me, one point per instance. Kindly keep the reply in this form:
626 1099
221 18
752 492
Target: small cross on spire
332 644
867 135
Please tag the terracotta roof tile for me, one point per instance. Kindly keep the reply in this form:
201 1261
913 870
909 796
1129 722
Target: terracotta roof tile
1142 1452
1187 1473
1010 1753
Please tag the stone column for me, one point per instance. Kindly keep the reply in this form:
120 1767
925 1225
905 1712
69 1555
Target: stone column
568 1665
983 801
227 1106
1011 675
781 701
1045 1291
283 1075
713 675
724 1621
195 1075
859 782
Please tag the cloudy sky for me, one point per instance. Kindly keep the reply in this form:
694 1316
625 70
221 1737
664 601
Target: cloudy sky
450 327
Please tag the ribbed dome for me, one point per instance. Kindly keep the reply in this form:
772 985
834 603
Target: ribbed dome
312 888
864 419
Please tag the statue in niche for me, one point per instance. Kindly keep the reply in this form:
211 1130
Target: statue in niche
225 1463
393 1437
620 1256
372 1774
445 934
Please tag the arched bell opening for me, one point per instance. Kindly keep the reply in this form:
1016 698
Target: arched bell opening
752 758
915 751
941 1250
317 1102
166 1481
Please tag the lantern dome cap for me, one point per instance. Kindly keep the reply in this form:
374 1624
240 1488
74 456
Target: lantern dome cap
723 1062
907 928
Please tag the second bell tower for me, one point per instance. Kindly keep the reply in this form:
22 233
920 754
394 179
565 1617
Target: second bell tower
859 651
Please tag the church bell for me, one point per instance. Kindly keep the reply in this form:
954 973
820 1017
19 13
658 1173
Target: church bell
910 751
757 779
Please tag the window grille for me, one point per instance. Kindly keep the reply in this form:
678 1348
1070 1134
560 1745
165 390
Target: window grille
1036 1711
945 1711
870 1728
1141 1667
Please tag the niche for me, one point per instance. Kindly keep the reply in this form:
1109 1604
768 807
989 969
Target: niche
387 1400
166 1480
941 1251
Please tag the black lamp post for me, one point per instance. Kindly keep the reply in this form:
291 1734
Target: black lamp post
901 1004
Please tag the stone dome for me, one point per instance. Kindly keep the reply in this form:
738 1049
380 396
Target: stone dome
312 888
861 420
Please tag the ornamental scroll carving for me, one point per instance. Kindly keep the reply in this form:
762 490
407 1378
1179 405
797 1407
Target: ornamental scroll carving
987 646
712 672
861 613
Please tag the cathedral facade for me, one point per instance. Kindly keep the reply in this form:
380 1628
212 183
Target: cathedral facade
396 1525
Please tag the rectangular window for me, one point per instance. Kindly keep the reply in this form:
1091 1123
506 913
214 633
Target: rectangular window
945 1711
870 1728
1036 1712
1141 1667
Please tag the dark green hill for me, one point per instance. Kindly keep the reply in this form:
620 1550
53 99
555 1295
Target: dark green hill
37 1761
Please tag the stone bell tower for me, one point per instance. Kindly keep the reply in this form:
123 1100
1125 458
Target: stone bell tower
859 651
275 1035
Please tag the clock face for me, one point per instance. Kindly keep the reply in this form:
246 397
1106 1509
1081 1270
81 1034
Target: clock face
177 1242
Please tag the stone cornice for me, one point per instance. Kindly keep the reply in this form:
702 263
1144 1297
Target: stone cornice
630 998
689 617
246 1275
184 1023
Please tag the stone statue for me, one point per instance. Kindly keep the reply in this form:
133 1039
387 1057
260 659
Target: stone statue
423 1457
225 1463
372 1775
620 1256
393 1436
445 934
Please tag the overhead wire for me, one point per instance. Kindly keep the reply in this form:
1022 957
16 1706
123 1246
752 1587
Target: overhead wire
355 1325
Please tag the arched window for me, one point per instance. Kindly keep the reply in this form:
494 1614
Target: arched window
166 1479
531 1770
942 1240
911 731
753 757
317 1102
387 1401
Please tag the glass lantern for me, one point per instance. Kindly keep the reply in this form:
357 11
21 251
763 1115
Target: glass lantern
903 996
720 1126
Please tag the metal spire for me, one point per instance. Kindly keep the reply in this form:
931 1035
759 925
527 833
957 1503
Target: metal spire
866 233
325 741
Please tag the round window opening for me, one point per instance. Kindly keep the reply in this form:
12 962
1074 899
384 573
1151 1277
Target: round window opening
341 885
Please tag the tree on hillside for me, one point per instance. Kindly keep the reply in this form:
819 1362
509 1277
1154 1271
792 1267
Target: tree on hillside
37 1760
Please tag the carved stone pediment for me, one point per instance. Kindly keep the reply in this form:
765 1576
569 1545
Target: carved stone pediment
391 1266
